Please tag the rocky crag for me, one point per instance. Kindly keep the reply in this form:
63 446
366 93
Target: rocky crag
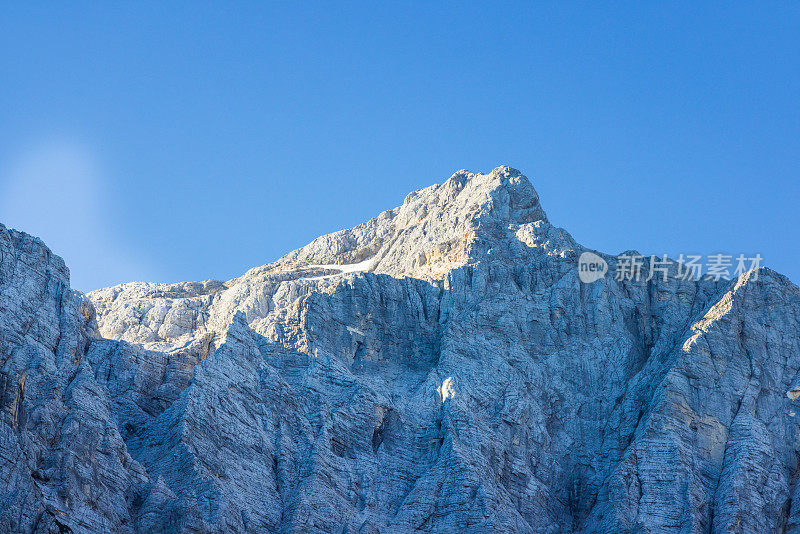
438 368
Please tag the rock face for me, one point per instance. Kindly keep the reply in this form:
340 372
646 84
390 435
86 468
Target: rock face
438 368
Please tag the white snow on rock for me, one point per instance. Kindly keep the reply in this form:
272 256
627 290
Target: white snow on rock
447 389
359 267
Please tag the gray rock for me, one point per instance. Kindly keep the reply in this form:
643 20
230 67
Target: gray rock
438 368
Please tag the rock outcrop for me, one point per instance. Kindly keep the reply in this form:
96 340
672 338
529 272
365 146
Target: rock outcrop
438 368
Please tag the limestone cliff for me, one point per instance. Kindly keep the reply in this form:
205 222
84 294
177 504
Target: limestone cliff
438 368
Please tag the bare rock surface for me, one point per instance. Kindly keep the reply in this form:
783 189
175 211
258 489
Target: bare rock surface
438 368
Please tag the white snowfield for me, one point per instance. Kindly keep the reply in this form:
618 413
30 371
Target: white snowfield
363 266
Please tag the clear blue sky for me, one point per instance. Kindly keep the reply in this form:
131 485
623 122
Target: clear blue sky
190 141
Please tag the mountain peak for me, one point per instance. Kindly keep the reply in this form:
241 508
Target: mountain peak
504 193
435 229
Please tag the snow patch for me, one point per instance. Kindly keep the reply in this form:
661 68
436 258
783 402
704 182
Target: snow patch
362 266
447 390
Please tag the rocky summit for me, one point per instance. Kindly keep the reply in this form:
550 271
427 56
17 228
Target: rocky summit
439 368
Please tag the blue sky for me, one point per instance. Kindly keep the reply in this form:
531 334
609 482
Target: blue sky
189 141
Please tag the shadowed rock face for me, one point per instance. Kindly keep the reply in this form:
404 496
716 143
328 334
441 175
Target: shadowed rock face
451 375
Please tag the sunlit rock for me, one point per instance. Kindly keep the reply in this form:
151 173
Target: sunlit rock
440 367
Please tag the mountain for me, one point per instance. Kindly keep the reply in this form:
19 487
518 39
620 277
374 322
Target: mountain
438 368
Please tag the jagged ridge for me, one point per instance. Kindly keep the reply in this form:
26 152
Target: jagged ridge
460 379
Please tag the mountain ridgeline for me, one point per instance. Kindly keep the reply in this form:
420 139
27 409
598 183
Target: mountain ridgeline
438 368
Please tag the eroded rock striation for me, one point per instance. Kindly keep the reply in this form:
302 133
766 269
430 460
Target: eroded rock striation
438 368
